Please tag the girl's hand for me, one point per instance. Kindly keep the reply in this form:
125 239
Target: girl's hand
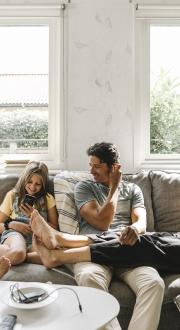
20 227
26 209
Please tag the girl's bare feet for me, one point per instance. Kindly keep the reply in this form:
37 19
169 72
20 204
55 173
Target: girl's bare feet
53 239
5 265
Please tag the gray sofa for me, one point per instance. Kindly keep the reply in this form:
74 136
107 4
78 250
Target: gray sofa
161 192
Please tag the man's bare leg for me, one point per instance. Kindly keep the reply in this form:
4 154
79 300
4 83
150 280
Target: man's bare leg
58 257
5 265
53 239
33 258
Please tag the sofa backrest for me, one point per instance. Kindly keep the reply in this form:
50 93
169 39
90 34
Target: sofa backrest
64 184
166 200
163 209
7 182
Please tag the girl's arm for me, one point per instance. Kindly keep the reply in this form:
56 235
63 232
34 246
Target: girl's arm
52 217
3 217
6 209
15 225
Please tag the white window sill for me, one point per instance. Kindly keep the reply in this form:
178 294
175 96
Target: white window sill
164 165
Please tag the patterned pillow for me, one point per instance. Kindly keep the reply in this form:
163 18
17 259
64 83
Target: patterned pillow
64 184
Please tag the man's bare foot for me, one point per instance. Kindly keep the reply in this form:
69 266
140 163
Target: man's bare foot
54 239
48 257
5 265
43 231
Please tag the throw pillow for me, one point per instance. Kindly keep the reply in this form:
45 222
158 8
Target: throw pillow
64 184
166 200
143 181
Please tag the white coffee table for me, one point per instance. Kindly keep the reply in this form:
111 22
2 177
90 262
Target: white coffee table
98 306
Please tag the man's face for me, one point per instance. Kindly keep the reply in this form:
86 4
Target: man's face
100 171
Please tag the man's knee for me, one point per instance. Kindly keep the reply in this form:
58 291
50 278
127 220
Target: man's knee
92 275
153 284
86 278
144 280
157 284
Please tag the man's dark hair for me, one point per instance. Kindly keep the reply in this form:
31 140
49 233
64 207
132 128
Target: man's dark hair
106 152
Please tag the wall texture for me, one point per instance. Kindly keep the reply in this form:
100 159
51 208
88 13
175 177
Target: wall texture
100 78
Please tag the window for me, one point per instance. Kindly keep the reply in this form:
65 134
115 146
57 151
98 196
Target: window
157 88
32 121
164 89
24 89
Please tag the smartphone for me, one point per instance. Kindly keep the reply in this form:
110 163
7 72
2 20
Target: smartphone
29 199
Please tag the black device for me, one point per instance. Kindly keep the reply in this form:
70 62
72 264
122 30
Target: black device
8 321
29 199
27 295
32 297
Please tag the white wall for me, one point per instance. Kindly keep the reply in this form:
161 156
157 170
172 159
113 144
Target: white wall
100 78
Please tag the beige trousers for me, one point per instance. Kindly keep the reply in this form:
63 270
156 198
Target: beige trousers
146 283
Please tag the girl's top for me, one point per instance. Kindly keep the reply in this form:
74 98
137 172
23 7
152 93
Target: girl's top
10 207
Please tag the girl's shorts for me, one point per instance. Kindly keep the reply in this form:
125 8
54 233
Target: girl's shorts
11 232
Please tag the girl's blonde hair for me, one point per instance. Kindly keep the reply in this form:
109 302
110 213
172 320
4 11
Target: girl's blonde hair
32 168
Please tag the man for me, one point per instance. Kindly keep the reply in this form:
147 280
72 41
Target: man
110 204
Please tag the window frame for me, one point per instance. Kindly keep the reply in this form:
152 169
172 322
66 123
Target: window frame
142 157
51 16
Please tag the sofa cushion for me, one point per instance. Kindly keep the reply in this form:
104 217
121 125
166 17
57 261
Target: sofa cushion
166 200
143 181
27 272
64 184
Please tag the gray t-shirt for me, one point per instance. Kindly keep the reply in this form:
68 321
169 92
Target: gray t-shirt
130 196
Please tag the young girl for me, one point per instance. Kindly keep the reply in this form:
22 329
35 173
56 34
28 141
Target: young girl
15 230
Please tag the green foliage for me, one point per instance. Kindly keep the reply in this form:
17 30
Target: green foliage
27 127
165 116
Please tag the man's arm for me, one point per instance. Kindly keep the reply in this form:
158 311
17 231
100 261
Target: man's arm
100 216
138 216
131 234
